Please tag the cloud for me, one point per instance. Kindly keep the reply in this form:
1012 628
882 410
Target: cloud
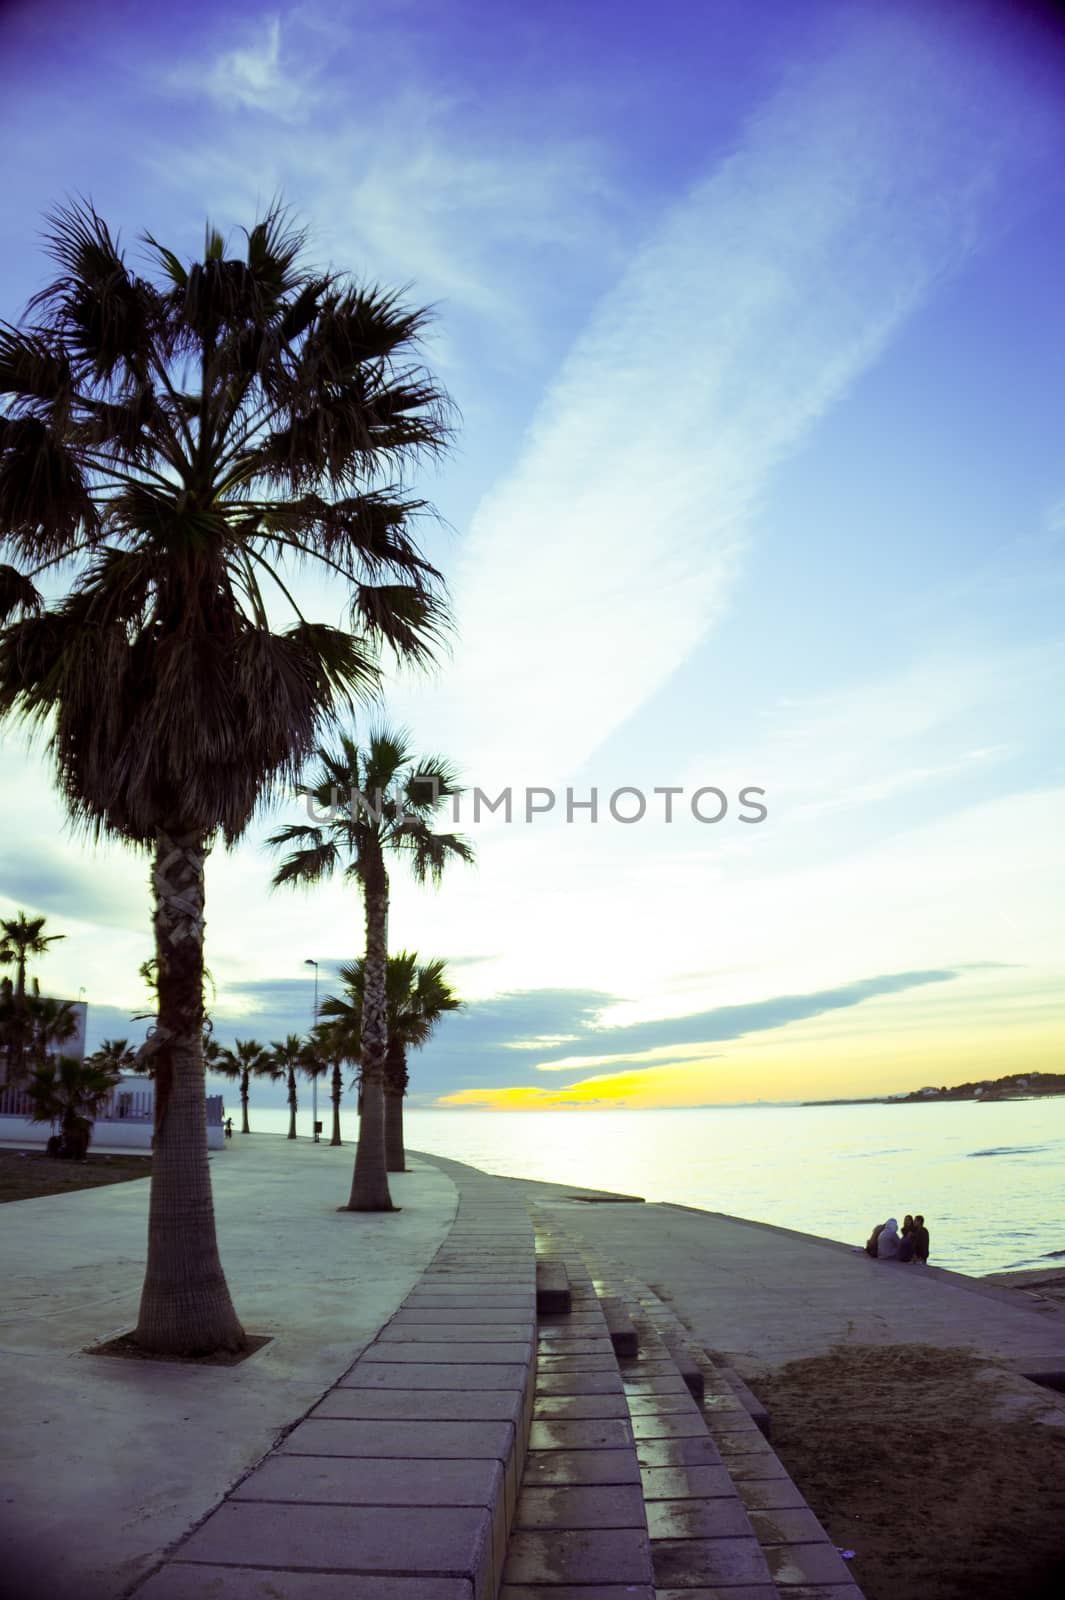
595 567
254 75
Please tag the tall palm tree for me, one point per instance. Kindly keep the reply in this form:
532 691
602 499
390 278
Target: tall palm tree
180 439
288 1056
333 1050
417 996
377 801
20 938
248 1060
68 1093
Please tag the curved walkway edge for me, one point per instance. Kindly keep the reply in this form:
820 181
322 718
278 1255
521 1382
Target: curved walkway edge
401 1482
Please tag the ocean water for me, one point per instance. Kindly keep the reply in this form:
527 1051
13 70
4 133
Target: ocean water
990 1180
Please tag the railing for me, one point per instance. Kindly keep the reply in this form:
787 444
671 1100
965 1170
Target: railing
121 1105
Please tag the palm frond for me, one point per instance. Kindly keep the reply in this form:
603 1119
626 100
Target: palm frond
308 866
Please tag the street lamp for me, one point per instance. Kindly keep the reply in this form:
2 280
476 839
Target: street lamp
314 1075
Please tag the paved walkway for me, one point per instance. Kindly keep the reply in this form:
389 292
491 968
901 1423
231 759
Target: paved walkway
108 1464
105 1462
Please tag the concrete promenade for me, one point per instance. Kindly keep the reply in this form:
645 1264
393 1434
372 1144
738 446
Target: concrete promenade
115 1470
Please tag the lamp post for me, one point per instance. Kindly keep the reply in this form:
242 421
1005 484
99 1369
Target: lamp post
314 1075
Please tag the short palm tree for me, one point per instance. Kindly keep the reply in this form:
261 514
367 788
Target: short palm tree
417 997
289 1055
116 1055
68 1093
180 438
20 938
248 1060
377 801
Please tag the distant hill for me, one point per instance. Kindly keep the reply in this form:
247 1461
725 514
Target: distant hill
1014 1086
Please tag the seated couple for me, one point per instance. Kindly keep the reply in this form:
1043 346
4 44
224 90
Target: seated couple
887 1244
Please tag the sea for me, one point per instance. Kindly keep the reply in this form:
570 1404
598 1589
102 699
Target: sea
989 1179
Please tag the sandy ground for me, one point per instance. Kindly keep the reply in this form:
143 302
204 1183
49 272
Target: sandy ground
917 1460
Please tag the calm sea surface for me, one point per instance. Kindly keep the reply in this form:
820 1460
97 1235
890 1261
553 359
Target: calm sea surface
990 1180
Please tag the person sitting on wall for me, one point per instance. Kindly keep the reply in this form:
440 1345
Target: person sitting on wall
887 1245
920 1241
871 1242
906 1241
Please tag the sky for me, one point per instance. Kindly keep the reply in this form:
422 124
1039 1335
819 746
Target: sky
752 317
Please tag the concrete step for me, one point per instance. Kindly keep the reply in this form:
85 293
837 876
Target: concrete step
754 1408
623 1335
552 1286
579 1524
723 1515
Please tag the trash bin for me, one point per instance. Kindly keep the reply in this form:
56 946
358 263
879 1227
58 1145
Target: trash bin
317 1132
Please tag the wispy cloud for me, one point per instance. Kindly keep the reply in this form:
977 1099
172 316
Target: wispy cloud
253 75
595 567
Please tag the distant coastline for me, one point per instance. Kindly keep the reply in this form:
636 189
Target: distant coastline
1014 1086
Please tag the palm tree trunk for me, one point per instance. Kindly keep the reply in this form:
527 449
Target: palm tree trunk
245 1078
292 1102
369 1182
185 1304
395 1072
337 1091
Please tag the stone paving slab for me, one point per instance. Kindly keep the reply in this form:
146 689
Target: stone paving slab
676 1425
418 1332
354 1539
467 1354
193 1582
739 1591
577 1506
423 1405
718 1518
614 1555
762 1494
580 1591
418 1315
581 1466
678 1452
579 1363
577 1383
791 1564
436 1375
689 1563
342 1480
787 1525
603 1433
690 1482
401 1439
579 1407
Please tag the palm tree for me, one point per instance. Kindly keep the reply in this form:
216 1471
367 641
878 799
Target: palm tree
417 998
116 1055
289 1056
249 1060
68 1093
377 800
20 938
332 1049
179 440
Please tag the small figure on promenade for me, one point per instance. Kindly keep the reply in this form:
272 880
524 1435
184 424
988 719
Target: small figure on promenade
887 1245
229 1127
920 1241
871 1242
906 1241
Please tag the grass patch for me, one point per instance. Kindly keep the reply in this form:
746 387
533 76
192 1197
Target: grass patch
29 1174
901 1454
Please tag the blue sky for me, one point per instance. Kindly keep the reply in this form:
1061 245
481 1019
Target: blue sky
754 321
